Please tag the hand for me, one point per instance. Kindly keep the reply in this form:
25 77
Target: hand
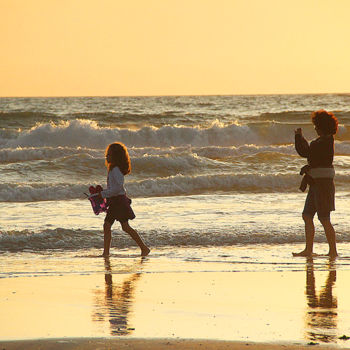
298 132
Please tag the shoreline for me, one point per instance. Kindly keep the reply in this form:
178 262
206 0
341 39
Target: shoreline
126 301
153 344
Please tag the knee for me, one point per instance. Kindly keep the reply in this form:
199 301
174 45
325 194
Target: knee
307 218
325 221
125 226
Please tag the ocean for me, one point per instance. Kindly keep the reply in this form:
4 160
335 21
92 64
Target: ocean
214 178
214 186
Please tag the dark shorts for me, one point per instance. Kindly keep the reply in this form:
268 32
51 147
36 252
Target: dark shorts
119 209
320 199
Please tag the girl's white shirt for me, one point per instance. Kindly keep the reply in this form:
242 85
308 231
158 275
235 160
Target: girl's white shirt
115 184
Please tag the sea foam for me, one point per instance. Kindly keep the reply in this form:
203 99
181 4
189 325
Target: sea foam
84 133
164 186
67 239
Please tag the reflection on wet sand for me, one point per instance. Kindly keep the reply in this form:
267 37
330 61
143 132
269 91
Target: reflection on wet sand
114 303
321 315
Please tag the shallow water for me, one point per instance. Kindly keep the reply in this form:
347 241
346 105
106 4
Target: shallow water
206 170
196 220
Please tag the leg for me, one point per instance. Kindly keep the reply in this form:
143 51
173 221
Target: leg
330 234
135 236
308 217
309 236
107 238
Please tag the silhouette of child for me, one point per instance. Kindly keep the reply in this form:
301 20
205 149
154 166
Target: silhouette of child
319 175
118 165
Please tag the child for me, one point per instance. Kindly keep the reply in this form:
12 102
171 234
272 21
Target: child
118 165
319 175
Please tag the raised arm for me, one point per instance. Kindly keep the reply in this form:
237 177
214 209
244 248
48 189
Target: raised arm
301 145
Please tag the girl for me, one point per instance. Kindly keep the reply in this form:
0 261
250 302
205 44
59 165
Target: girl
319 175
118 165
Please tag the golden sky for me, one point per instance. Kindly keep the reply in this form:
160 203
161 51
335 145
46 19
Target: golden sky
173 47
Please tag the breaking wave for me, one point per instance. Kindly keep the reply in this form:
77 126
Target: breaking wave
87 134
67 239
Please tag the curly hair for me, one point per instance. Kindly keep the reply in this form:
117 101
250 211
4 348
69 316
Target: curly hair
119 157
325 121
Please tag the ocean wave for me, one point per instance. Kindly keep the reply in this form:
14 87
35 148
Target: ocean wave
187 185
215 152
302 116
70 239
165 186
83 167
142 118
139 155
136 119
77 133
218 152
23 154
143 159
175 163
40 192
25 119
82 133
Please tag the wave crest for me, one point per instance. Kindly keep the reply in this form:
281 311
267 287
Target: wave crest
70 239
88 134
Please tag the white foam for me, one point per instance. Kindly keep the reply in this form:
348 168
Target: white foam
182 154
83 133
87 134
166 186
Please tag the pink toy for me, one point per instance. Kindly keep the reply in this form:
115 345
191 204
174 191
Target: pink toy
98 203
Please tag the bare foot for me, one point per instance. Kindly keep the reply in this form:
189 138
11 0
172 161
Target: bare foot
145 251
303 253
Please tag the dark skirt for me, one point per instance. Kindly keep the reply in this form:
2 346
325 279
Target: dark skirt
119 209
320 198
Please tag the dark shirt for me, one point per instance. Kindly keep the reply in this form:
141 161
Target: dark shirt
319 153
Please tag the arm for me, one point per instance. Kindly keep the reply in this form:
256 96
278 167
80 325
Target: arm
301 145
115 184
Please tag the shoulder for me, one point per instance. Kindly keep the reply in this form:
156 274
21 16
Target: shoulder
317 142
115 172
322 142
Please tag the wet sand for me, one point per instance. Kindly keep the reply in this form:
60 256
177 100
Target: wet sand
136 307
148 344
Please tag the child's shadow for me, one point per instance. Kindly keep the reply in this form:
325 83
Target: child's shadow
321 316
115 303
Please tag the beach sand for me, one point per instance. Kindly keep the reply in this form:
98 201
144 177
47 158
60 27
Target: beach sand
153 304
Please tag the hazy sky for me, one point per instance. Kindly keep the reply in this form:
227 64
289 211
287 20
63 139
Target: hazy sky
173 47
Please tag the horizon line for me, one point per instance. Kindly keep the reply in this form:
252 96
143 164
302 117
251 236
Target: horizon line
177 95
